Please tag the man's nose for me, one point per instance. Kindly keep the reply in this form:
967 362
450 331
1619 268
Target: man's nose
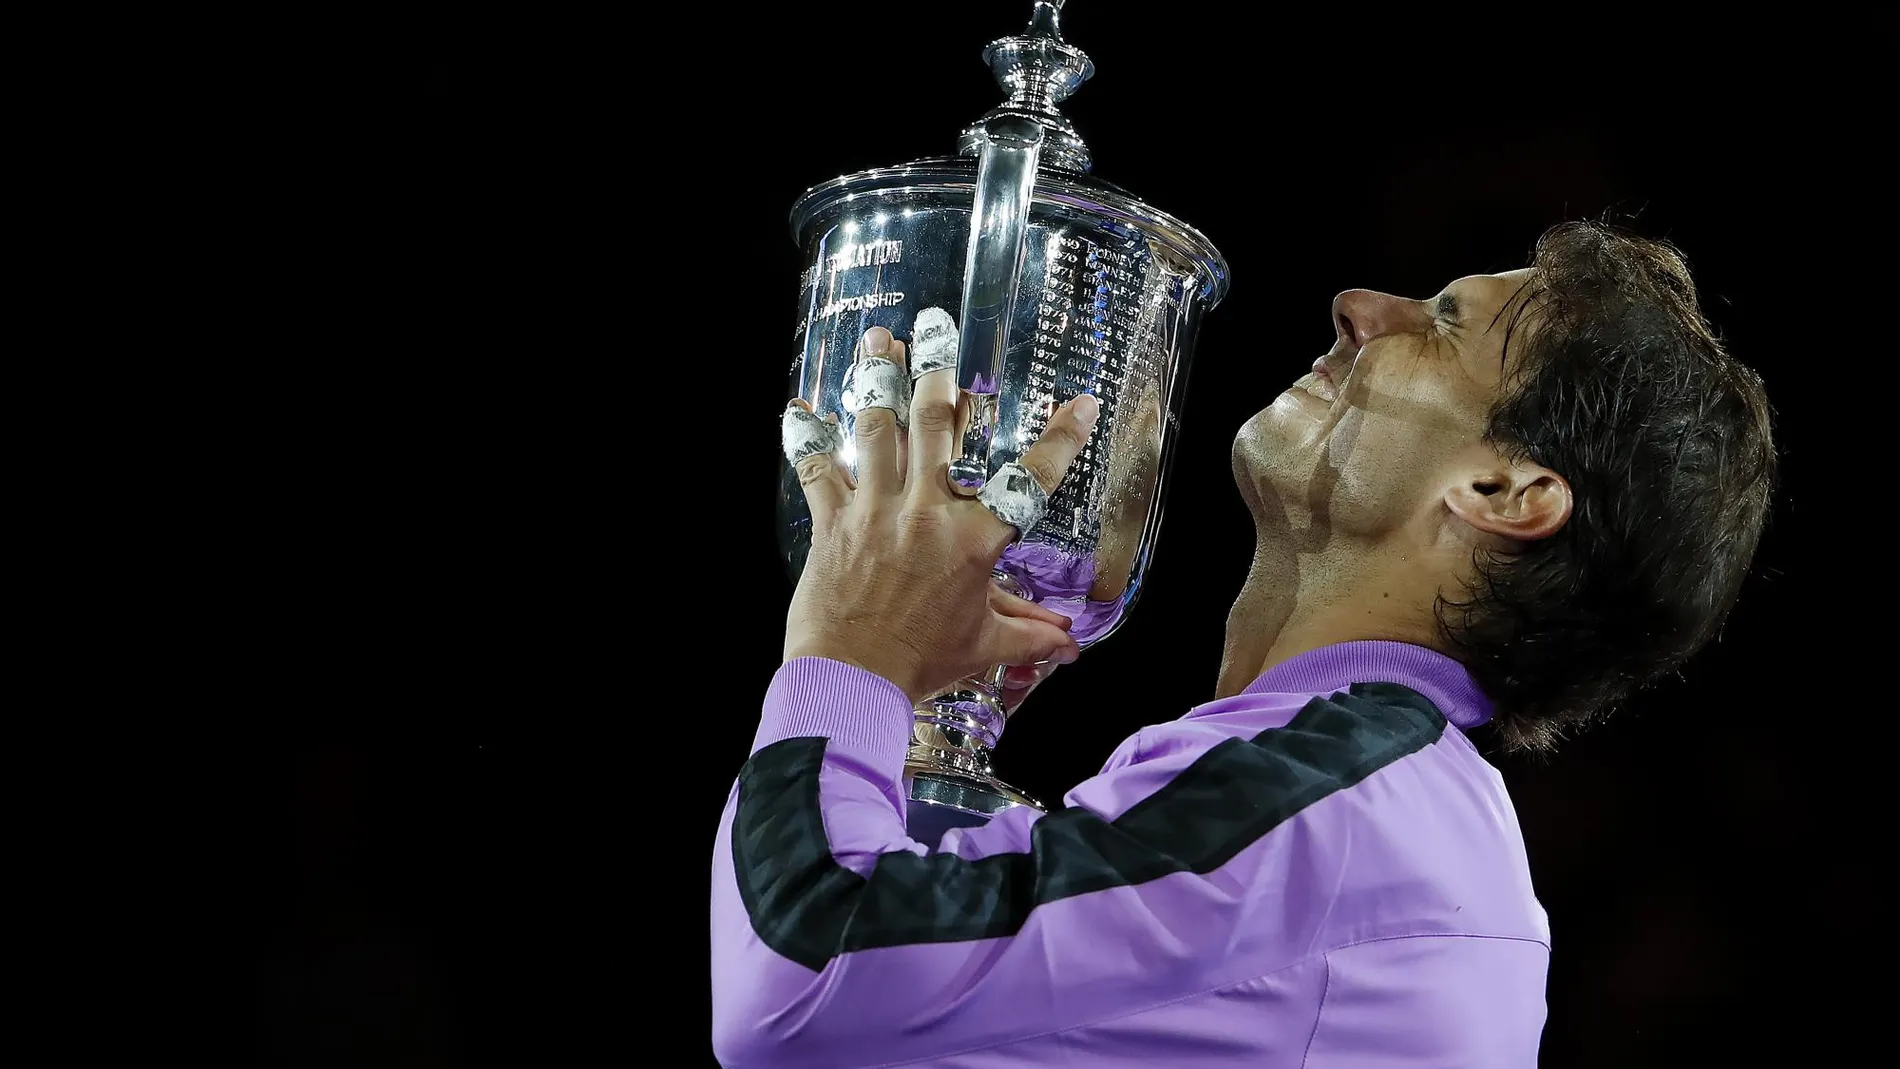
1362 315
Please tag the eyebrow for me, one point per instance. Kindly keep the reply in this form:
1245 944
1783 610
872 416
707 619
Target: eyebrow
1448 308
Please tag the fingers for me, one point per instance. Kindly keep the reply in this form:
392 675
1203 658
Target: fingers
1019 640
876 432
877 441
826 483
1027 676
1019 680
1033 635
1021 677
1007 604
897 356
1048 460
1062 441
933 404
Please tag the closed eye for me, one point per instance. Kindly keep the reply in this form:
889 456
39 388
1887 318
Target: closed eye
1447 311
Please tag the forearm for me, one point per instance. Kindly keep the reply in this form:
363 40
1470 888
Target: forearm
816 807
839 941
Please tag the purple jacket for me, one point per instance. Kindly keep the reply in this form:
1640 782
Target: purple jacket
1320 871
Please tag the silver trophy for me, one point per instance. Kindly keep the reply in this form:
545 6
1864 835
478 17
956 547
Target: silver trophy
1050 283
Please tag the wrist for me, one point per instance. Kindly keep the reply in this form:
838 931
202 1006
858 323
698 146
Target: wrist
886 666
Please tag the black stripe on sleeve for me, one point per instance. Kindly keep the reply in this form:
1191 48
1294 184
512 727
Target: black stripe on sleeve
809 908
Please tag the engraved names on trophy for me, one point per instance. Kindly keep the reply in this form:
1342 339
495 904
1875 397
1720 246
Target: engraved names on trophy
1088 322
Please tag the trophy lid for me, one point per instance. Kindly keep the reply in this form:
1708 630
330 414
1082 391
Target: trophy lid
1039 70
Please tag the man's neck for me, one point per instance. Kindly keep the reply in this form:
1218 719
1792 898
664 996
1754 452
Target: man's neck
1296 601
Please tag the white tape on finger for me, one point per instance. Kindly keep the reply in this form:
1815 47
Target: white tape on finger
933 342
880 383
807 435
1015 497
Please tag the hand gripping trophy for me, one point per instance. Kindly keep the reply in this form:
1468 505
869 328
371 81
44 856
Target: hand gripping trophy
1035 282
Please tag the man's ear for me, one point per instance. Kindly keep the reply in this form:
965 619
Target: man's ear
1519 501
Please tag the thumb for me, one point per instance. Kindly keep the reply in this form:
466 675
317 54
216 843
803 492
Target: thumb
1020 640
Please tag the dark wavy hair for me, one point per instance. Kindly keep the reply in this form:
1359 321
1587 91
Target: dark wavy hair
1622 387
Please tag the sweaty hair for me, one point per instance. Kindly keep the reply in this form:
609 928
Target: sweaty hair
1621 387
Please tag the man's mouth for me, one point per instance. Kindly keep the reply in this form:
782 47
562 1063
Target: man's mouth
1319 382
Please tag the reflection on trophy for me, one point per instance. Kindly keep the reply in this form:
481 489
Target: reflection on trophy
1037 281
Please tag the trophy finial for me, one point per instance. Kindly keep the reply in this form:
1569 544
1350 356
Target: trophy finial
1046 20
1040 71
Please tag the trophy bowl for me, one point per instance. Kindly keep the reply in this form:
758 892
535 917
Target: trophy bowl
1052 283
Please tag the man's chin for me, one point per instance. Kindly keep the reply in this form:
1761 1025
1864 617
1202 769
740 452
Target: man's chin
1267 450
1265 434
1245 461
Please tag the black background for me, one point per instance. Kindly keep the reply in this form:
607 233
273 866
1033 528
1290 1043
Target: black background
485 839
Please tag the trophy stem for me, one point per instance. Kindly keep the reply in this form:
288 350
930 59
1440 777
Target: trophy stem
948 766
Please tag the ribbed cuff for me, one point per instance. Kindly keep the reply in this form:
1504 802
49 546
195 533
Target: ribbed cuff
864 715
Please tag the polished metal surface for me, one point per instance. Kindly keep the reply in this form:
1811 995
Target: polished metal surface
1040 70
941 800
1059 284
1007 150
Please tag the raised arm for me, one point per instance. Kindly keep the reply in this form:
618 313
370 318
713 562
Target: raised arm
838 941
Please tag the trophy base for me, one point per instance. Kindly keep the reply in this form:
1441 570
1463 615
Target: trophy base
939 799
947 778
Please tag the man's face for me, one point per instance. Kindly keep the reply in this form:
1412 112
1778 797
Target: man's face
1370 438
